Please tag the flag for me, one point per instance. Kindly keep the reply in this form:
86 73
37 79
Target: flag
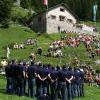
45 2
46 6
94 12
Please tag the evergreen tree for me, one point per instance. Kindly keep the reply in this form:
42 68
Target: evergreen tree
82 8
5 12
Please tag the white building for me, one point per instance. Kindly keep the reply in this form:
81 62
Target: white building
56 19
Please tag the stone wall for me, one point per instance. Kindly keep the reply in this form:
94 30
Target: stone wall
52 26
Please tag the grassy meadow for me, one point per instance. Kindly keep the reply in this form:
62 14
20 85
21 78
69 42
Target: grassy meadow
91 93
19 34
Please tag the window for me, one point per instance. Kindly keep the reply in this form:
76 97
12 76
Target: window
62 9
53 17
61 18
70 20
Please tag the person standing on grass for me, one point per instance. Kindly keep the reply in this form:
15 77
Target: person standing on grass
8 73
20 78
77 82
69 83
98 79
43 75
61 86
31 72
53 82
7 52
90 77
14 76
81 86
25 65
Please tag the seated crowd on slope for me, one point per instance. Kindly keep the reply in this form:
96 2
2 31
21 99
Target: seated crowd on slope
55 48
29 41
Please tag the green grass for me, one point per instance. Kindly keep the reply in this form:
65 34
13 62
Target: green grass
91 93
19 10
18 34
4 96
13 34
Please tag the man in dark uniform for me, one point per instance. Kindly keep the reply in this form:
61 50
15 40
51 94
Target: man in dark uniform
58 68
69 78
38 81
53 85
48 80
31 72
14 76
61 87
77 82
72 83
25 65
8 73
43 75
20 79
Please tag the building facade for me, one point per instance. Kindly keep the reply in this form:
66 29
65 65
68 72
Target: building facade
55 20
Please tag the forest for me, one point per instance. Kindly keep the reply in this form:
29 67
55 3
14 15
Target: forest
82 8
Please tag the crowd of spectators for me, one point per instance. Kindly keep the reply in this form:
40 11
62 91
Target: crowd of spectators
55 48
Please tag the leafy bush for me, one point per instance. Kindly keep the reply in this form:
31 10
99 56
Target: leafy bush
5 25
20 15
5 12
